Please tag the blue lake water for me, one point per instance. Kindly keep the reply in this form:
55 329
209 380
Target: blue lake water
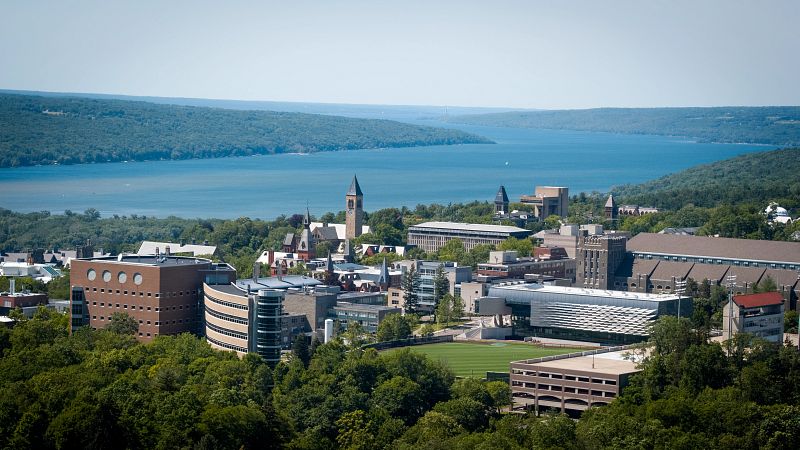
267 186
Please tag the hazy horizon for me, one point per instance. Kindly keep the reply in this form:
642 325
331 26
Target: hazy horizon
510 54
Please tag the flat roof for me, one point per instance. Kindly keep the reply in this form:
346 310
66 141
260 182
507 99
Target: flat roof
148 260
470 227
364 308
544 288
610 363
284 282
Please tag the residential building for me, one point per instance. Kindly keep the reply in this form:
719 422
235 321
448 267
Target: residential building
570 384
431 236
593 315
758 314
548 201
163 293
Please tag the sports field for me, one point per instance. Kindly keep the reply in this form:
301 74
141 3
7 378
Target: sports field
475 359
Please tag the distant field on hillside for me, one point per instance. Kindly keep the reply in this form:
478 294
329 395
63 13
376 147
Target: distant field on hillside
475 359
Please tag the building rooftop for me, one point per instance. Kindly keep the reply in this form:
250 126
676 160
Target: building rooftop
717 247
355 189
607 363
758 300
284 282
540 288
470 227
148 260
149 248
363 307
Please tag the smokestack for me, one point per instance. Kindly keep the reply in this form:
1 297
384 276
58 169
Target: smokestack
256 270
12 285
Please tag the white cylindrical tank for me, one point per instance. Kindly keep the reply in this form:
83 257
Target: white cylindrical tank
328 330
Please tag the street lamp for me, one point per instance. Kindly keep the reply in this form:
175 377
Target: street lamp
680 289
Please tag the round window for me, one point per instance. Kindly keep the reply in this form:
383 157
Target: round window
137 279
106 276
122 277
91 274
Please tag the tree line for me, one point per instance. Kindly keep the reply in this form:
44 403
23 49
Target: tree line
40 130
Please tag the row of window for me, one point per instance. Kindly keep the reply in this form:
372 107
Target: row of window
565 389
122 277
142 308
147 322
226 317
226 345
733 262
558 376
226 332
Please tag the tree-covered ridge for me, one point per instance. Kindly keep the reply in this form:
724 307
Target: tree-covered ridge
103 389
71 130
776 125
754 177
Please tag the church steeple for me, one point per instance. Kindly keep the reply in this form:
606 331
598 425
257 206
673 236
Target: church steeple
355 210
501 201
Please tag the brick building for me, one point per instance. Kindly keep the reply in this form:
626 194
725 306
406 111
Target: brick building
163 293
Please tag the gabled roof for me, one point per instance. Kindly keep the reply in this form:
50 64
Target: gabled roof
668 269
758 300
714 273
743 249
355 189
501 196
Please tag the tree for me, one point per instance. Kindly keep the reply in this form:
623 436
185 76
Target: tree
122 323
444 309
453 250
458 307
523 247
393 327
440 284
410 285
500 392
426 330
300 349
400 397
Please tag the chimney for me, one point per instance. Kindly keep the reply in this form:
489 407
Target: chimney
12 285
256 271
158 255
205 242
166 251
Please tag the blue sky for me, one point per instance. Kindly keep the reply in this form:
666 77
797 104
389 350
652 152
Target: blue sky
531 54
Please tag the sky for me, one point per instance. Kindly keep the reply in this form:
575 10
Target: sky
522 54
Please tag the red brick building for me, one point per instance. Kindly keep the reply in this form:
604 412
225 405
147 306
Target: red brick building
162 293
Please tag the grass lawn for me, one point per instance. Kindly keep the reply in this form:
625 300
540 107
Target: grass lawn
475 359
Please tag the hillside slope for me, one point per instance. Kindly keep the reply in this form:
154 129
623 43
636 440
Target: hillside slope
754 177
68 130
776 125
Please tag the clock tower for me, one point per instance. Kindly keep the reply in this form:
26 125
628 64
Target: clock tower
355 210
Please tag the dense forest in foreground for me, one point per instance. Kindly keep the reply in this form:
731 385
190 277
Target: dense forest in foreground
97 389
70 130
776 125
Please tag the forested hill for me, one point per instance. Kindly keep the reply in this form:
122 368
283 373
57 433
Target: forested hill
777 125
69 130
754 177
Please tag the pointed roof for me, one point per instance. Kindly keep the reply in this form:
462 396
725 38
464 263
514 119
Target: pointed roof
383 277
610 203
307 219
329 263
501 196
355 189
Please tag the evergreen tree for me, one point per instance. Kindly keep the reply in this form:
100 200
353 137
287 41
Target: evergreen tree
410 286
300 349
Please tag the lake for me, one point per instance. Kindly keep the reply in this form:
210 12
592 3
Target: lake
268 186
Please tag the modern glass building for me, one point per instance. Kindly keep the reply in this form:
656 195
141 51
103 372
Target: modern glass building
594 315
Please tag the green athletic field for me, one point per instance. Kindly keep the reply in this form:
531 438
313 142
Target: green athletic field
475 359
